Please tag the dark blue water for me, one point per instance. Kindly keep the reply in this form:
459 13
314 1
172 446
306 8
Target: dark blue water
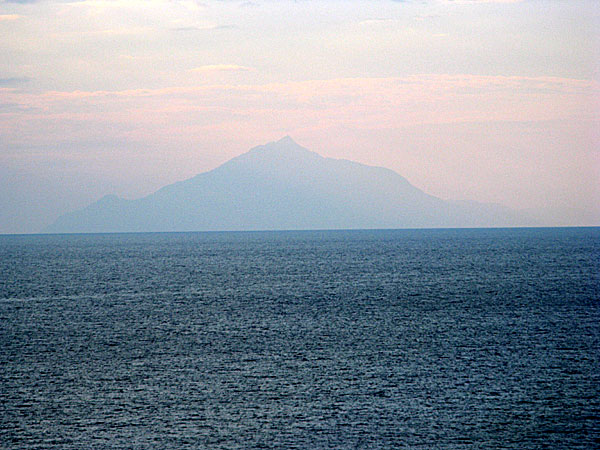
431 339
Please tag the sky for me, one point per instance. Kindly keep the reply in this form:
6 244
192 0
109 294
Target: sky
486 100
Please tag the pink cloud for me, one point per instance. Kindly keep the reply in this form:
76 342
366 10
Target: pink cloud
364 103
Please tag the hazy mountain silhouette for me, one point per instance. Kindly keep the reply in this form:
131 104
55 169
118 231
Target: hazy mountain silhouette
280 186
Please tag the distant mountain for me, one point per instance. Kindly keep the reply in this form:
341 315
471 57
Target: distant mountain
283 186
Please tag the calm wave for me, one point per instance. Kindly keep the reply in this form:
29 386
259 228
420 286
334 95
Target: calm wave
418 339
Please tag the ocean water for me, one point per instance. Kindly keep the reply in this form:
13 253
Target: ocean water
416 339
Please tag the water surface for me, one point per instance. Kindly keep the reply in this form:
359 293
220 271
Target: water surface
415 339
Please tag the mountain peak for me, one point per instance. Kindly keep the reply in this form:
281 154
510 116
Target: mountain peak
287 139
286 143
283 149
282 185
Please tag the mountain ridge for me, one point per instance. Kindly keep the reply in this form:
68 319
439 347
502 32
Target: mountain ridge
282 185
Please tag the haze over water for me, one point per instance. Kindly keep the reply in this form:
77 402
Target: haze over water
419 339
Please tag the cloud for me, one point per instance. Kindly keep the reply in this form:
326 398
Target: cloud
13 81
9 17
480 1
13 108
105 32
134 57
205 28
358 103
222 68
375 21
423 17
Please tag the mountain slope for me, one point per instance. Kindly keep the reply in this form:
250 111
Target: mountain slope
282 185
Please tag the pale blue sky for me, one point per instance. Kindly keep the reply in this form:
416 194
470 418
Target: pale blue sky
482 100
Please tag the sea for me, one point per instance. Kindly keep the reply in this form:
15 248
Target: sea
363 339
